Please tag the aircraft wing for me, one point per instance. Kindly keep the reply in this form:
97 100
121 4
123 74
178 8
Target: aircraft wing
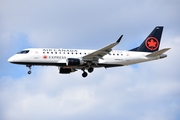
94 56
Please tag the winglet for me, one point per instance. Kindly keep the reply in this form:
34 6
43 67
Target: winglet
119 39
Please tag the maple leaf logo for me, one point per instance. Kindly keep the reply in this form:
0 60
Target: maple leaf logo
45 57
152 43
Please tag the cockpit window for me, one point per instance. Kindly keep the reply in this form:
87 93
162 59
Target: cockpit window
23 52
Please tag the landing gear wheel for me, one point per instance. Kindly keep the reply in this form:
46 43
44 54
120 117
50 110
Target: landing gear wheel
90 70
84 74
29 72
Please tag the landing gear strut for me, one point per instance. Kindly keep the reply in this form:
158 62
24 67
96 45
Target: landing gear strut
29 66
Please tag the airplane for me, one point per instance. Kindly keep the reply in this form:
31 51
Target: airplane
71 60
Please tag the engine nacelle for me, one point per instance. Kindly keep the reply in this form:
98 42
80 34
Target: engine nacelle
73 62
66 70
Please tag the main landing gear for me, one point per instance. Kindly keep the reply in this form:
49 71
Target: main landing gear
90 70
29 66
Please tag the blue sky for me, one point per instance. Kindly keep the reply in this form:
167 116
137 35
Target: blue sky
142 92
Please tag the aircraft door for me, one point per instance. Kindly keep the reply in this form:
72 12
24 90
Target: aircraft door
127 55
36 54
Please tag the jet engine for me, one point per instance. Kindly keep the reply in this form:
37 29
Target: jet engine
74 62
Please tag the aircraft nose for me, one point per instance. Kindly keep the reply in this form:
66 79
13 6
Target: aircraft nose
11 59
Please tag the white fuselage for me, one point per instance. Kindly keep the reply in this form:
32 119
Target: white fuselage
58 57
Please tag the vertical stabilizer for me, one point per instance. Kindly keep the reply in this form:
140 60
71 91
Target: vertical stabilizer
152 42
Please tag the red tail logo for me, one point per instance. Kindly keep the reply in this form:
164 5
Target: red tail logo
152 43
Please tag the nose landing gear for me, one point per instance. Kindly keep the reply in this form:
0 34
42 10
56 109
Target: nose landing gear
29 66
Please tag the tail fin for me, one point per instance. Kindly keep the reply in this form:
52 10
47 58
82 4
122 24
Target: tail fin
152 42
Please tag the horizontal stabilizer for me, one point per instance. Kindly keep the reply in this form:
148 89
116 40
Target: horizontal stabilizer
156 53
